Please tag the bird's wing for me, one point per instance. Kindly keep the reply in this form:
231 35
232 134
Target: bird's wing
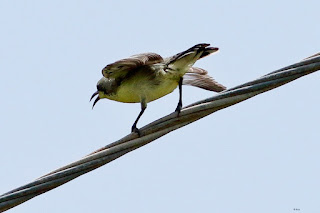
199 78
123 66
148 58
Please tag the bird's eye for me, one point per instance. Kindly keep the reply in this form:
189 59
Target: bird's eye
110 73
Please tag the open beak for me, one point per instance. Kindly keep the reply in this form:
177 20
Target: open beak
96 100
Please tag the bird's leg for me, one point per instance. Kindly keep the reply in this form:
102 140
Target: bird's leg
179 106
134 126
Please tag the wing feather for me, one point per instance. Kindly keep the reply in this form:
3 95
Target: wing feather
123 66
199 78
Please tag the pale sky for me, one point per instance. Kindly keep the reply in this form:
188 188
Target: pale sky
261 155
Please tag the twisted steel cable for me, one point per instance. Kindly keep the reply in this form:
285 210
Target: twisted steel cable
157 129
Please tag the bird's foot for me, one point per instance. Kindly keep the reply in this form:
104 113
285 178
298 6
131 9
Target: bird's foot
178 109
136 130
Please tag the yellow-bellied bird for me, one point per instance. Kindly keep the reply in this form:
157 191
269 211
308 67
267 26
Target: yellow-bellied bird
146 77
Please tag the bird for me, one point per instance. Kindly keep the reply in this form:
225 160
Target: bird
145 77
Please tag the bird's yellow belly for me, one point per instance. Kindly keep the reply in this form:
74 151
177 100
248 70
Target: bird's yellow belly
134 92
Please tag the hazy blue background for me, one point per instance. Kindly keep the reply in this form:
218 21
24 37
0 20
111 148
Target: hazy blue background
261 155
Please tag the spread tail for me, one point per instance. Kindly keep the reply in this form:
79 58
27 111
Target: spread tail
186 59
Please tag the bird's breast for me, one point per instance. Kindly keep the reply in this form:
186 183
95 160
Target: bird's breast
134 91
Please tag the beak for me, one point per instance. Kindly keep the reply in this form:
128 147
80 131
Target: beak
96 100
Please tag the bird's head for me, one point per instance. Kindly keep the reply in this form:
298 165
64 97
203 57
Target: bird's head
103 87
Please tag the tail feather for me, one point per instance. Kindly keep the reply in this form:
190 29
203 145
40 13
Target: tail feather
209 51
199 78
187 58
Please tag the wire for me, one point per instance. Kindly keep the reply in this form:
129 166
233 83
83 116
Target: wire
158 129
